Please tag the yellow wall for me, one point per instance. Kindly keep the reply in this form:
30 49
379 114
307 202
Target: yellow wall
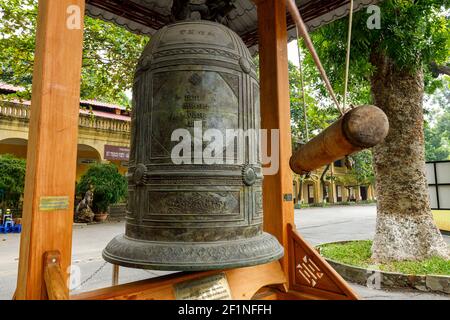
338 172
21 152
92 138
442 219
122 170
82 168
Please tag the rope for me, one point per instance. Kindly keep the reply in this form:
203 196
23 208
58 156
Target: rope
302 86
347 59
301 29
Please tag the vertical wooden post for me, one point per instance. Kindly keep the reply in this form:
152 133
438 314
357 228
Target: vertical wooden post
275 114
332 191
317 191
115 275
52 144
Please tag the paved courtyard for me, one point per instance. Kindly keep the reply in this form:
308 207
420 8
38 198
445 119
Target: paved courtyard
321 225
317 225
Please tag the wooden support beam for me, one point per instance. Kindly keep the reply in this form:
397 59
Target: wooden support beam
52 144
54 277
275 114
244 284
360 128
310 275
115 274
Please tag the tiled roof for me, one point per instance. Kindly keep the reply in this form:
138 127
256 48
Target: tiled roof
102 104
4 87
110 115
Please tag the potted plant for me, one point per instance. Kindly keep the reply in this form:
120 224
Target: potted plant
108 186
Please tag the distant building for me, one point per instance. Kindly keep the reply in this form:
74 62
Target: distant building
104 131
339 186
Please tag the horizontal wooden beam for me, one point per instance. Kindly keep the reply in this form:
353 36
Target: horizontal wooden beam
53 276
244 284
360 128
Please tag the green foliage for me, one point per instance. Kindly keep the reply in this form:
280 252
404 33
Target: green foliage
108 185
413 34
319 115
353 253
437 145
358 253
347 180
437 124
363 167
12 179
109 56
435 265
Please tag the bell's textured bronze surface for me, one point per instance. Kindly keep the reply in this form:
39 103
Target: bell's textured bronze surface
194 216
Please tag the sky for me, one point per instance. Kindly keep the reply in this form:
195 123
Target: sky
293 52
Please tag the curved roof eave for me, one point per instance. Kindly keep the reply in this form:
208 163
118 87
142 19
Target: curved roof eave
147 16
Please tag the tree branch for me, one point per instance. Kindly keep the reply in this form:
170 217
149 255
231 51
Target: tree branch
436 69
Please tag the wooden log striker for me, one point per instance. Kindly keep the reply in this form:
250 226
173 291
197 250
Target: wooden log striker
360 128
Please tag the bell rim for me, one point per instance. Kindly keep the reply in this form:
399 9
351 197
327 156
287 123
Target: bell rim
267 247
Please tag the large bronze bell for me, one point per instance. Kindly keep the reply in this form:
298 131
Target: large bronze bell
194 215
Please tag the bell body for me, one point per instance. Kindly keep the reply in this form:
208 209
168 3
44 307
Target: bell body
201 214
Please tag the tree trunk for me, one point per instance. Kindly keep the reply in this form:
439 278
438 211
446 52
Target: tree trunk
405 228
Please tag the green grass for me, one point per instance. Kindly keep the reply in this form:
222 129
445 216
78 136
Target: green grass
357 253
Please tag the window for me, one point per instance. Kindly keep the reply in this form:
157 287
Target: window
338 163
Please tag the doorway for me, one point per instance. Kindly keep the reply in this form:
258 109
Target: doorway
339 193
310 193
363 191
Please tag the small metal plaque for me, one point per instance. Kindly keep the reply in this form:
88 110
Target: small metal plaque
287 197
209 288
53 203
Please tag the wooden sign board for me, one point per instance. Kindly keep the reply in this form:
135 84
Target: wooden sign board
117 153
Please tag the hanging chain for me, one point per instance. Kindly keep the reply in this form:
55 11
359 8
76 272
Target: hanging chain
91 276
347 59
96 272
